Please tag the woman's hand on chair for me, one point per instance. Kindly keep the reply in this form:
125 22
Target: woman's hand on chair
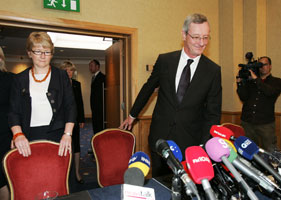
22 145
65 145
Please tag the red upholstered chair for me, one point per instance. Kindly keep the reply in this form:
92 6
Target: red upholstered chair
236 129
113 149
42 171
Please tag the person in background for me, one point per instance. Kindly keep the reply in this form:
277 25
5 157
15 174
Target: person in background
97 96
259 94
80 121
5 132
189 97
42 104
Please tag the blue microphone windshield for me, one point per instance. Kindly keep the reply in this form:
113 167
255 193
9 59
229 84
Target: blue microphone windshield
175 149
140 160
246 147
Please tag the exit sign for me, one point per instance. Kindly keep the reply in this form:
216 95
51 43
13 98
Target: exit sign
67 5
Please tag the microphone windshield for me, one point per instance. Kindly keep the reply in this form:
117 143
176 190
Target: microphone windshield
233 155
199 164
141 161
220 131
217 148
134 176
161 145
175 149
246 147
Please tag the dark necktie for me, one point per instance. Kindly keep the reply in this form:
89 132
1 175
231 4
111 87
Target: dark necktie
93 78
184 80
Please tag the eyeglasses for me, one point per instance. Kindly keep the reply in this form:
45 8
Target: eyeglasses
46 53
198 38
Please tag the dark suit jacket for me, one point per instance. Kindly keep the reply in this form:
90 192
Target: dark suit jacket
59 94
97 91
76 86
5 87
189 122
97 101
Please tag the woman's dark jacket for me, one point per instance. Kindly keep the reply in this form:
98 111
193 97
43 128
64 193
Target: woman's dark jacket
59 94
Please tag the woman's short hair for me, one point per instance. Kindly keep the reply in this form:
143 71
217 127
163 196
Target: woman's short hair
68 65
195 18
2 61
39 38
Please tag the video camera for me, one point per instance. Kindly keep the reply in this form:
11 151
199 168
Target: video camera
252 64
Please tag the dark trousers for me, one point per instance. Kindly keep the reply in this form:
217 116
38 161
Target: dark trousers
97 122
43 133
262 134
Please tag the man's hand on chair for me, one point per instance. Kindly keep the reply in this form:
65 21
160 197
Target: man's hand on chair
127 123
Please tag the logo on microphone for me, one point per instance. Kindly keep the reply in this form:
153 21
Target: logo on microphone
145 160
201 159
246 144
132 159
220 134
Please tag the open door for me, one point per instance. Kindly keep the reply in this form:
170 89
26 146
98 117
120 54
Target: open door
113 90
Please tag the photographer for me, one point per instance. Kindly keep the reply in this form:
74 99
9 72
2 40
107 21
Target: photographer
259 94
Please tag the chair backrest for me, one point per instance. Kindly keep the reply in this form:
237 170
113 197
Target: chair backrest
236 129
44 170
113 149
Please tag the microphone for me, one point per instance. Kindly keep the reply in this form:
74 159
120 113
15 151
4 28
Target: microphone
225 185
200 168
260 174
140 160
138 168
176 181
163 149
226 133
218 151
233 158
175 149
249 150
222 132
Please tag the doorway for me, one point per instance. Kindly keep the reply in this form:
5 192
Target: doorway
128 36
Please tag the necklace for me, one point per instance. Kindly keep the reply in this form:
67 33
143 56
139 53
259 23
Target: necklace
40 81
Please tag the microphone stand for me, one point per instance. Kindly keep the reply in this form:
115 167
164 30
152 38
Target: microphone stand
176 188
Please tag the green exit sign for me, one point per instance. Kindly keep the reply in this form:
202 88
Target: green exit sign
67 5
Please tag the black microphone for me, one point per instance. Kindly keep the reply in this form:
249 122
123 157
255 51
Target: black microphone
225 185
163 149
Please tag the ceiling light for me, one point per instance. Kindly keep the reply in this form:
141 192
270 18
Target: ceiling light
65 40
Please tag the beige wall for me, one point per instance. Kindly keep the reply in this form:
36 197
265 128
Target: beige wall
237 26
251 25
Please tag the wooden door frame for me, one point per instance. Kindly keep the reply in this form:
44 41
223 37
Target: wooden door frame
128 35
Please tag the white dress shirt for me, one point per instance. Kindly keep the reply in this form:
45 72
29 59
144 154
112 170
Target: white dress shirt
182 63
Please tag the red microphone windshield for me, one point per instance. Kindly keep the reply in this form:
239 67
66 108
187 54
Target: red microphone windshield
199 164
222 132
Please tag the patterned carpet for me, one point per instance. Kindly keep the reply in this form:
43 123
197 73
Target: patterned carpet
87 164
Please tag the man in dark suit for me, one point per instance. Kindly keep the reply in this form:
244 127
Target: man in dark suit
97 96
187 107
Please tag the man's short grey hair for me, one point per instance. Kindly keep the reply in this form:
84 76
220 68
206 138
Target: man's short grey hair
194 18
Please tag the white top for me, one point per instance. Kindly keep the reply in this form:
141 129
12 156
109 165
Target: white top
41 110
182 63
